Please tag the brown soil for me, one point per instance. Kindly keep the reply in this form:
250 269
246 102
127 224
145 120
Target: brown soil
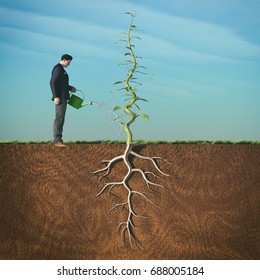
49 208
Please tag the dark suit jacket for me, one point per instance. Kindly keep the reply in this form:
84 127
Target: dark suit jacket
60 83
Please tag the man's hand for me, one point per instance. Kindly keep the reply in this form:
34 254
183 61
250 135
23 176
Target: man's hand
73 89
57 100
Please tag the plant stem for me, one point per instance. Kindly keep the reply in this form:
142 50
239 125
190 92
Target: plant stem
127 107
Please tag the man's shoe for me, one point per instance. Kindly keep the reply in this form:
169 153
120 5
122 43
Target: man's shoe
59 144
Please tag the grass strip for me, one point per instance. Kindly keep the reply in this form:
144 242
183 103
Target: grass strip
137 142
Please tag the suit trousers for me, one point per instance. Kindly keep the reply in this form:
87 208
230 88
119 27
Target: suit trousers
60 111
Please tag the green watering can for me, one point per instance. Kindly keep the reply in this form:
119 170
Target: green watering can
76 102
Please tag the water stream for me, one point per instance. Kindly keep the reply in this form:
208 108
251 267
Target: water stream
110 116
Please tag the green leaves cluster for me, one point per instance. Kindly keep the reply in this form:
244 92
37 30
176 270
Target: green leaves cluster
131 83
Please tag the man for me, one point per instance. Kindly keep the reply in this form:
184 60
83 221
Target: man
60 94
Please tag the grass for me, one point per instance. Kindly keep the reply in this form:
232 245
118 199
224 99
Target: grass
145 142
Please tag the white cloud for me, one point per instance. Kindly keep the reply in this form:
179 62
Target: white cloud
32 41
164 34
160 49
56 26
197 35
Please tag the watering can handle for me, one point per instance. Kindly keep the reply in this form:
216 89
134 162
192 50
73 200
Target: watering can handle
81 93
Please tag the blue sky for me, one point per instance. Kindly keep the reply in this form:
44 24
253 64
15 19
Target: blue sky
203 61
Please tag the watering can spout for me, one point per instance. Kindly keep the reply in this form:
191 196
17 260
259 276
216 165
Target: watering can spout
88 103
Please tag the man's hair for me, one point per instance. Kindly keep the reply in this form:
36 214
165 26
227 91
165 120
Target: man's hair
66 57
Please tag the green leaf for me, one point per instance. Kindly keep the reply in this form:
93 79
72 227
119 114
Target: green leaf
118 82
127 54
137 107
129 14
141 67
141 72
142 99
139 57
136 83
123 88
144 116
122 40
125 62
117 108
136 37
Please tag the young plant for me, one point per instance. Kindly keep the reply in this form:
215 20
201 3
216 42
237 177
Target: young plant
130 91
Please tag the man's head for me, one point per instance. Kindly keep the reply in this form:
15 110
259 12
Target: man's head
66 60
